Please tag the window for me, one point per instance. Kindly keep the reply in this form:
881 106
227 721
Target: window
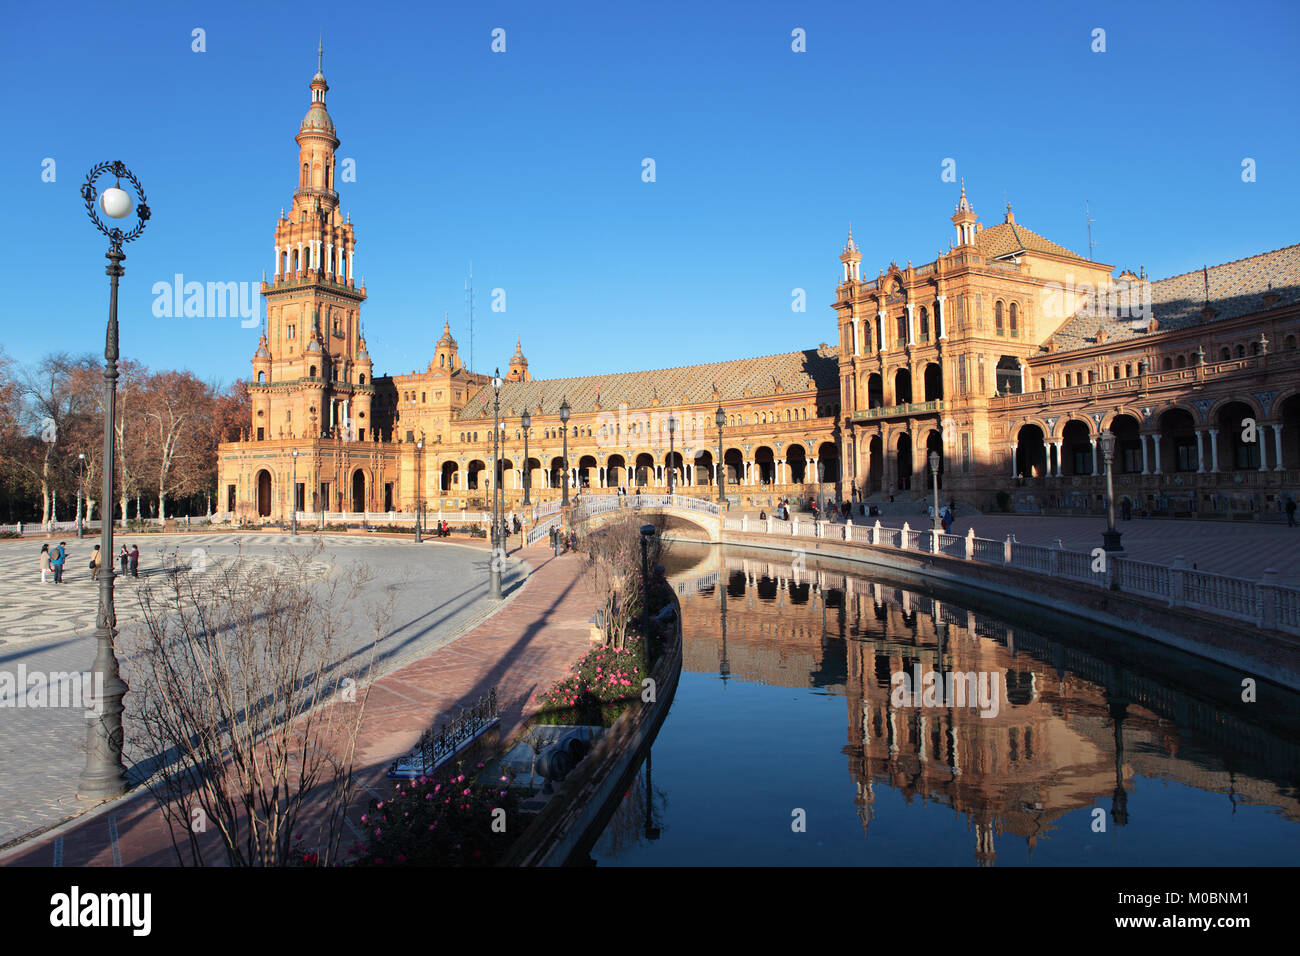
1128 371
997 317
410 437
1169 363
1115 374
423 400
1067 379
361 380
925 324
1042 384
1290 342
1254 348
1225 354
965 452
1091 377
1241 351
261 378
1182 362
1015 322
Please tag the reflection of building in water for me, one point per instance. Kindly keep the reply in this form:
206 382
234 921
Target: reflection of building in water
1071 731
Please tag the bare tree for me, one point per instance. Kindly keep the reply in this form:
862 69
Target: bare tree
56 395
245 696
612 570
177 407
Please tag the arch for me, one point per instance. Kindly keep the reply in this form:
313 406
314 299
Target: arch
734 465
449 475
1235 453
765 464
261 378
903 460
263 494
1213 415
903 387
1031 451
504 467
673 461
796 463
474 473
358 490
933 382
1076 448
556 471
643 470
875 392
828 458
1008 376
1288 416
933 443
1177 429
311 371
587 476
1128 442
616 471
875 465
703 467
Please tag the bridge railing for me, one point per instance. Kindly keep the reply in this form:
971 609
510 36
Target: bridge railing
589 505
1266 603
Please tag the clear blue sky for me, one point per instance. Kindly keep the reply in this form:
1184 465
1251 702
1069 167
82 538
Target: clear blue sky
528 163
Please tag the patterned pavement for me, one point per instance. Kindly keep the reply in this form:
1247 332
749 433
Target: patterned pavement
48 629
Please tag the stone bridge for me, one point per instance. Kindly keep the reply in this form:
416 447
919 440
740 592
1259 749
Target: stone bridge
594 510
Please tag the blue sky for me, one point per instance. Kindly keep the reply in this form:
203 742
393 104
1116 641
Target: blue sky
529 163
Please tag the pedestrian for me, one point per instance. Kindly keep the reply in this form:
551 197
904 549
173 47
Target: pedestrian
762 515
56 562
95 564
135 560
125 556
45 563
891 491
1290 512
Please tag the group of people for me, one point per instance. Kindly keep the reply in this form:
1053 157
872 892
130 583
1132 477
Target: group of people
561 542
945 516
53 561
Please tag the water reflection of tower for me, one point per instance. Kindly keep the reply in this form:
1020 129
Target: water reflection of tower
985 853
724 665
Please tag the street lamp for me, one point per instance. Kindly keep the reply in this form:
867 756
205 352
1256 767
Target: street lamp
293 493
647 532
1110 538
105 776
672 428
934 472
419 499
721 418
526 422
494 565
81 481
564 420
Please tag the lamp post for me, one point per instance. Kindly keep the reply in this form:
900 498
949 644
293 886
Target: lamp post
934 472
721 418
419 499
104 775
293 493
81 482
647 532
1110 538
494 565
526 422
672 428
564 420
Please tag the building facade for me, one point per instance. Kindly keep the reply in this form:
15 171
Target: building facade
1006 357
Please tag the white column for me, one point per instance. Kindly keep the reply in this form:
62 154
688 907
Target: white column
856 348
1155 448
300 265
351 274
939 316
338 265
780 471
1263 449
276 271
1200 451
1145 468
1013 459
331 413
1214 451
329 268
1058 445
1023 369
880 330
911 334
1096 466
346 420
1277 447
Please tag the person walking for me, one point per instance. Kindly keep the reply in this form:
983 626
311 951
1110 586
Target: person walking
1290 512
135 560
95 563
56 562
45 564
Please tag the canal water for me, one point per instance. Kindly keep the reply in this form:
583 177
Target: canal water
794 739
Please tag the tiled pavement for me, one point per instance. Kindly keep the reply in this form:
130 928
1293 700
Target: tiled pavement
530 642
48 628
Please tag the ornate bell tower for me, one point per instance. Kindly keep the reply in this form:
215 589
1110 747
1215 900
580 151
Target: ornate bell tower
315 379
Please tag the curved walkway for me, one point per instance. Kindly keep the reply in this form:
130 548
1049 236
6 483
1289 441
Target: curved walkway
522 648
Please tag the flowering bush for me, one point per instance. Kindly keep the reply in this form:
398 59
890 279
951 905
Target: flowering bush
601 686
444 820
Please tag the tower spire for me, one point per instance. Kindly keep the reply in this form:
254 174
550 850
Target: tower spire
320 55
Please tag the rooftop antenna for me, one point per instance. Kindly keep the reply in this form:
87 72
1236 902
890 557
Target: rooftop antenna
469 301
1087 215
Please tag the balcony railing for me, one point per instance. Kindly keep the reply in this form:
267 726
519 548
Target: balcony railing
898 411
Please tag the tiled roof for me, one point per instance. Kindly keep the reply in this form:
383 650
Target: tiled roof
1235 289
795 371
1008 237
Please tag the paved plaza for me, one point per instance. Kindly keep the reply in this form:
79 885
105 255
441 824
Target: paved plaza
440 592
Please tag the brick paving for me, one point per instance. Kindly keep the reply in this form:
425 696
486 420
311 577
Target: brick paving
521 648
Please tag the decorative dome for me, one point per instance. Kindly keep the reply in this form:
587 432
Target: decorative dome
446 339
313 345
317 120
